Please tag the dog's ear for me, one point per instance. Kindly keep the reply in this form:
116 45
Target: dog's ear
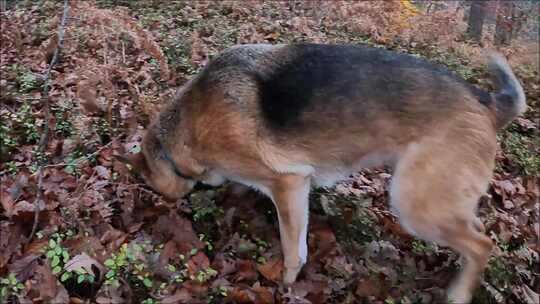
136 160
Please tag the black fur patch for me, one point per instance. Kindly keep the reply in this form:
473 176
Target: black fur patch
323 77
483 97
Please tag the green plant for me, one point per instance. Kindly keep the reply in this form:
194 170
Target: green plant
10 286
149 301
222 291
8 142
179 273
28 82
205 274
28 123
179 270
81 274
101 126
520 149
127 263
63 126
178 54
362 228
72 162
204 206
390 301
25 80
57 255
421 247
262 246
11 167
207 242
18 128
216 293
499 273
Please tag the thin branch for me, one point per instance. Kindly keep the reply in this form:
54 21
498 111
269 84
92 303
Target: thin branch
37 203
46 85
45 135
80 160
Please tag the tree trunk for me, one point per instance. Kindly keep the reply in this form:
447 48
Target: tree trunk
477 15
505 24
519 20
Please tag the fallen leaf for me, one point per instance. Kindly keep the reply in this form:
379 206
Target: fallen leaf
84 262
271 270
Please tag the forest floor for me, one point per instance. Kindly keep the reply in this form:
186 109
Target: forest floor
77 226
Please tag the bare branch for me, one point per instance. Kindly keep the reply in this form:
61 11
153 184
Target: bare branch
37 203
46 85
45 135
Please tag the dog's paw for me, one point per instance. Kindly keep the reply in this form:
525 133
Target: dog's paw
290 274
458 295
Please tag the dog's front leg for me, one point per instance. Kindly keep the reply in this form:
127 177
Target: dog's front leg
291 197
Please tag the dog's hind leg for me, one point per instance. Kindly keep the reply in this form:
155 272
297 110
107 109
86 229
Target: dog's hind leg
291 197
435 190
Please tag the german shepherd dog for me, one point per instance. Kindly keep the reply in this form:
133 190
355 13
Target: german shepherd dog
281 118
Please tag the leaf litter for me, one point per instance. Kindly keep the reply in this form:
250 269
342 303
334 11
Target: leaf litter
117 67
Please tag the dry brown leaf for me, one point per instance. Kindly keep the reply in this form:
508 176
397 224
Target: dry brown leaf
246 271
181 296
272 269
46 283
84 262
197 262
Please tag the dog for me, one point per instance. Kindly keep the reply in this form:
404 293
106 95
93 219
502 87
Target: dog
283 118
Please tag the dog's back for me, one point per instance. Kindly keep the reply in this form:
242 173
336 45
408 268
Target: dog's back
332 109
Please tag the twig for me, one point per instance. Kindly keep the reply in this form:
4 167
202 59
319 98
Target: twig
105 45
46 86
80 160
123 52
39 198
46 105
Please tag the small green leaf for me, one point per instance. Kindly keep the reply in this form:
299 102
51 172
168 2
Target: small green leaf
55 261
65 256
171 268
80 278
80 271
50 254
109 263
65 276
110 274
58 250
57 270
90 278
52 243
147 282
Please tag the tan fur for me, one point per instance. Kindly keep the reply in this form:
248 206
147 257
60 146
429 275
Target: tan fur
443 155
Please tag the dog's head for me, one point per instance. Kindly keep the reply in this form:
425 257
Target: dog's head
161 170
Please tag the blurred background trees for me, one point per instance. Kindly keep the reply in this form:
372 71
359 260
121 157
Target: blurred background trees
510 19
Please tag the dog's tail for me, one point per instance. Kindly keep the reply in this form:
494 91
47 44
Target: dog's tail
509 101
